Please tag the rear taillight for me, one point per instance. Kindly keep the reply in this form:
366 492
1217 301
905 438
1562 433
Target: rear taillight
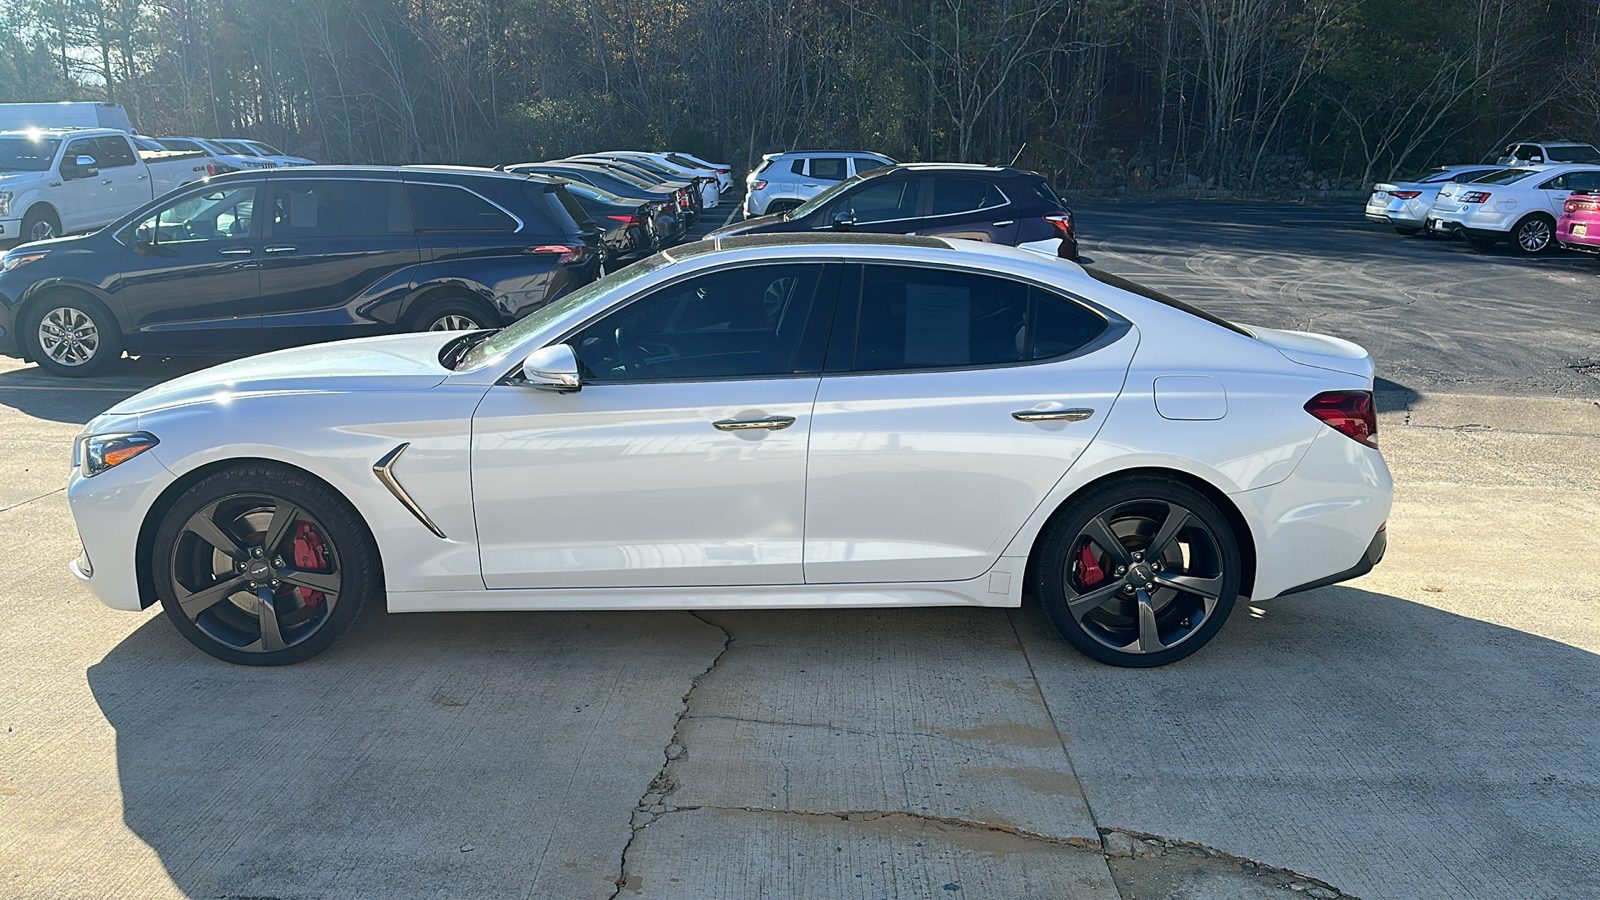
211 168
1062 222
626 220
566 252
1474 197
722 171
1351 413
759 186
1577 204
1406 195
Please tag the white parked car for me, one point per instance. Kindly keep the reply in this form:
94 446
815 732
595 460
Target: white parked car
233 160
753 423
1405 204
724 170
1518 205
65 180
264 151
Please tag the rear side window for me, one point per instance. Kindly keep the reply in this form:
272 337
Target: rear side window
326 207
1042 188
114 152
444 207
916 318
952 196
864 164
799 167
1574 154
829 168
1573 181
570 204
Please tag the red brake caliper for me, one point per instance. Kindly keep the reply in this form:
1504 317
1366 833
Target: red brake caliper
308 555
1089 568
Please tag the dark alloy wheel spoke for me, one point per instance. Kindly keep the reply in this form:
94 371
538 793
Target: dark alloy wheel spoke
1085 603
271 636
1100 532
316 581
282 517
1177 517
199 601
1208 589
203 525
1149 636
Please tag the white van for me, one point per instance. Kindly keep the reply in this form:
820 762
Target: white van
24 116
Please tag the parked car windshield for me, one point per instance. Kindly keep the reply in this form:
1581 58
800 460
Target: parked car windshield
265 148
1580 153
816 203
20 153
506 339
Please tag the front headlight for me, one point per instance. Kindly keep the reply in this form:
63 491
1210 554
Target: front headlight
5 203
99 452
21 259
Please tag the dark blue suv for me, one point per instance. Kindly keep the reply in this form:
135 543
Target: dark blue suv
263 260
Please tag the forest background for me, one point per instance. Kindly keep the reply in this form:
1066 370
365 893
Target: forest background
1266 96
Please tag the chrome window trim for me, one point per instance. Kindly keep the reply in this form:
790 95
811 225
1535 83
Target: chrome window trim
968 212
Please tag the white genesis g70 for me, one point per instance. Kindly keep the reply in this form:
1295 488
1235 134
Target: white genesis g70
756 422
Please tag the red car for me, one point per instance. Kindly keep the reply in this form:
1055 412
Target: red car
1579 225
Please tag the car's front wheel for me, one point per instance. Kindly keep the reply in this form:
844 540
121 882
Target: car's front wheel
264 565
1138 572
72 335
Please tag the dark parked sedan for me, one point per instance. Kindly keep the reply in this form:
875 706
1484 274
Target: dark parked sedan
670 202
627 227
998 204
261 260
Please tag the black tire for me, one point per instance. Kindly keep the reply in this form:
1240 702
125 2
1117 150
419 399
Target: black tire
453 315
71 334
1408 232
1097 596
40 224
319 569
1534 235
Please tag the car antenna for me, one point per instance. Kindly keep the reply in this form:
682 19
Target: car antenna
1019 153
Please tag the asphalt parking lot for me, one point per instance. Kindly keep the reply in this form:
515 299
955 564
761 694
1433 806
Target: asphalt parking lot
1426 731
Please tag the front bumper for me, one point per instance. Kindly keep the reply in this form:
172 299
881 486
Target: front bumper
109 510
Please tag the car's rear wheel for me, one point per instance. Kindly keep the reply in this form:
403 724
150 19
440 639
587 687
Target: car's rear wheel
453 315
72 335
263 565
1139 572
1534 235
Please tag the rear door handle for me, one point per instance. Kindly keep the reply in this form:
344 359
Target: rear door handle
279 249
1047 415
236 251
771 423
1005 223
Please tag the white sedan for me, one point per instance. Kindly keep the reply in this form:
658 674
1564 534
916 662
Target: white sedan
1517 205
754 422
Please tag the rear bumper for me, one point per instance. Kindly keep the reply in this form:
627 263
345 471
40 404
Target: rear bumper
1373 556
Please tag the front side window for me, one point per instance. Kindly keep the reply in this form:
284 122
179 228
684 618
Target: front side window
443 207
1574 154
83 147
220 215
829 168
953 196
866 164
745 322
883 200
318 208
916 318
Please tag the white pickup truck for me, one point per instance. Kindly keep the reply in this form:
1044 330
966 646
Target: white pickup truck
57 181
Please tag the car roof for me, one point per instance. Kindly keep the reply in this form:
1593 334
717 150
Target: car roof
788 154
60 132
331 171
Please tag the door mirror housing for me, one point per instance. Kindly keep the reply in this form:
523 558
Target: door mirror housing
552 368
82 167
843 221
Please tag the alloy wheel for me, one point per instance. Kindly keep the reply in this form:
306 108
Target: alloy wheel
42 230
255 573
68 336
1144 576
1534 235
454 322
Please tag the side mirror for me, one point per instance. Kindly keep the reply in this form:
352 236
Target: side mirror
1536 159
844 221
552 368
82 167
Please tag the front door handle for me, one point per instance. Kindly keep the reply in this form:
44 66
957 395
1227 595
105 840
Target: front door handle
279 249
235 251
771 423
1048 415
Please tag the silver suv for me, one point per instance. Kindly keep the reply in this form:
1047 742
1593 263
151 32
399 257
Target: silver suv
783 181
1548 152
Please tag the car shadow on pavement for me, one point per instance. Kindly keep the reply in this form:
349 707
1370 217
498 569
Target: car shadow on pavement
34 392
1391 748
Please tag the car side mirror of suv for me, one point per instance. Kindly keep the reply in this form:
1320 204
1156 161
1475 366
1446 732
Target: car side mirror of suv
552 368
843 221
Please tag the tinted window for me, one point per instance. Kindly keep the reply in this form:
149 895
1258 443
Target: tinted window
1043 190
439 207
959 195
175 144
1574 154
882 201
570 204
25 154
221 215
1581 181
799 167
744 322
914 318
1060 325
829 168
864 164
84 147
327 207
114 152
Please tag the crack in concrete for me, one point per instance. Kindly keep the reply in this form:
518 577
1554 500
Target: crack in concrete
858 815
32 500
661 783
1169 843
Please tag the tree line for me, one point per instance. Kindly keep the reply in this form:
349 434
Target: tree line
1099 94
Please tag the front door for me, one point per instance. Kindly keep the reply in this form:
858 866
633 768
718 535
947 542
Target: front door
682 459
883 205
942 426
336 249
190 279
81 195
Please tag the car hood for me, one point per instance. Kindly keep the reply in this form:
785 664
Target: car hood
1318 350
405 362
748 225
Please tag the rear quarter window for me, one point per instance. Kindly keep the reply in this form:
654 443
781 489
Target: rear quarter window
1134 287
443 207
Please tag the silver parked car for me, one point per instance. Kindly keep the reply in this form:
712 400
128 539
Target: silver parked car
1405 204
1525 153
783 181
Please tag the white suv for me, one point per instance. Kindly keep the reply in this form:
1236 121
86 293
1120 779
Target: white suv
783 181
1518 205
1535 153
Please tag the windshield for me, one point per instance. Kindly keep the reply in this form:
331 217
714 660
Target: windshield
506 339
240 148
266 148
1578 153
1505 176
817 202
20 153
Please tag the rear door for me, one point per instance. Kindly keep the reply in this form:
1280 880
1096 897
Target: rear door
336 249
951 404
1556 190
969 208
